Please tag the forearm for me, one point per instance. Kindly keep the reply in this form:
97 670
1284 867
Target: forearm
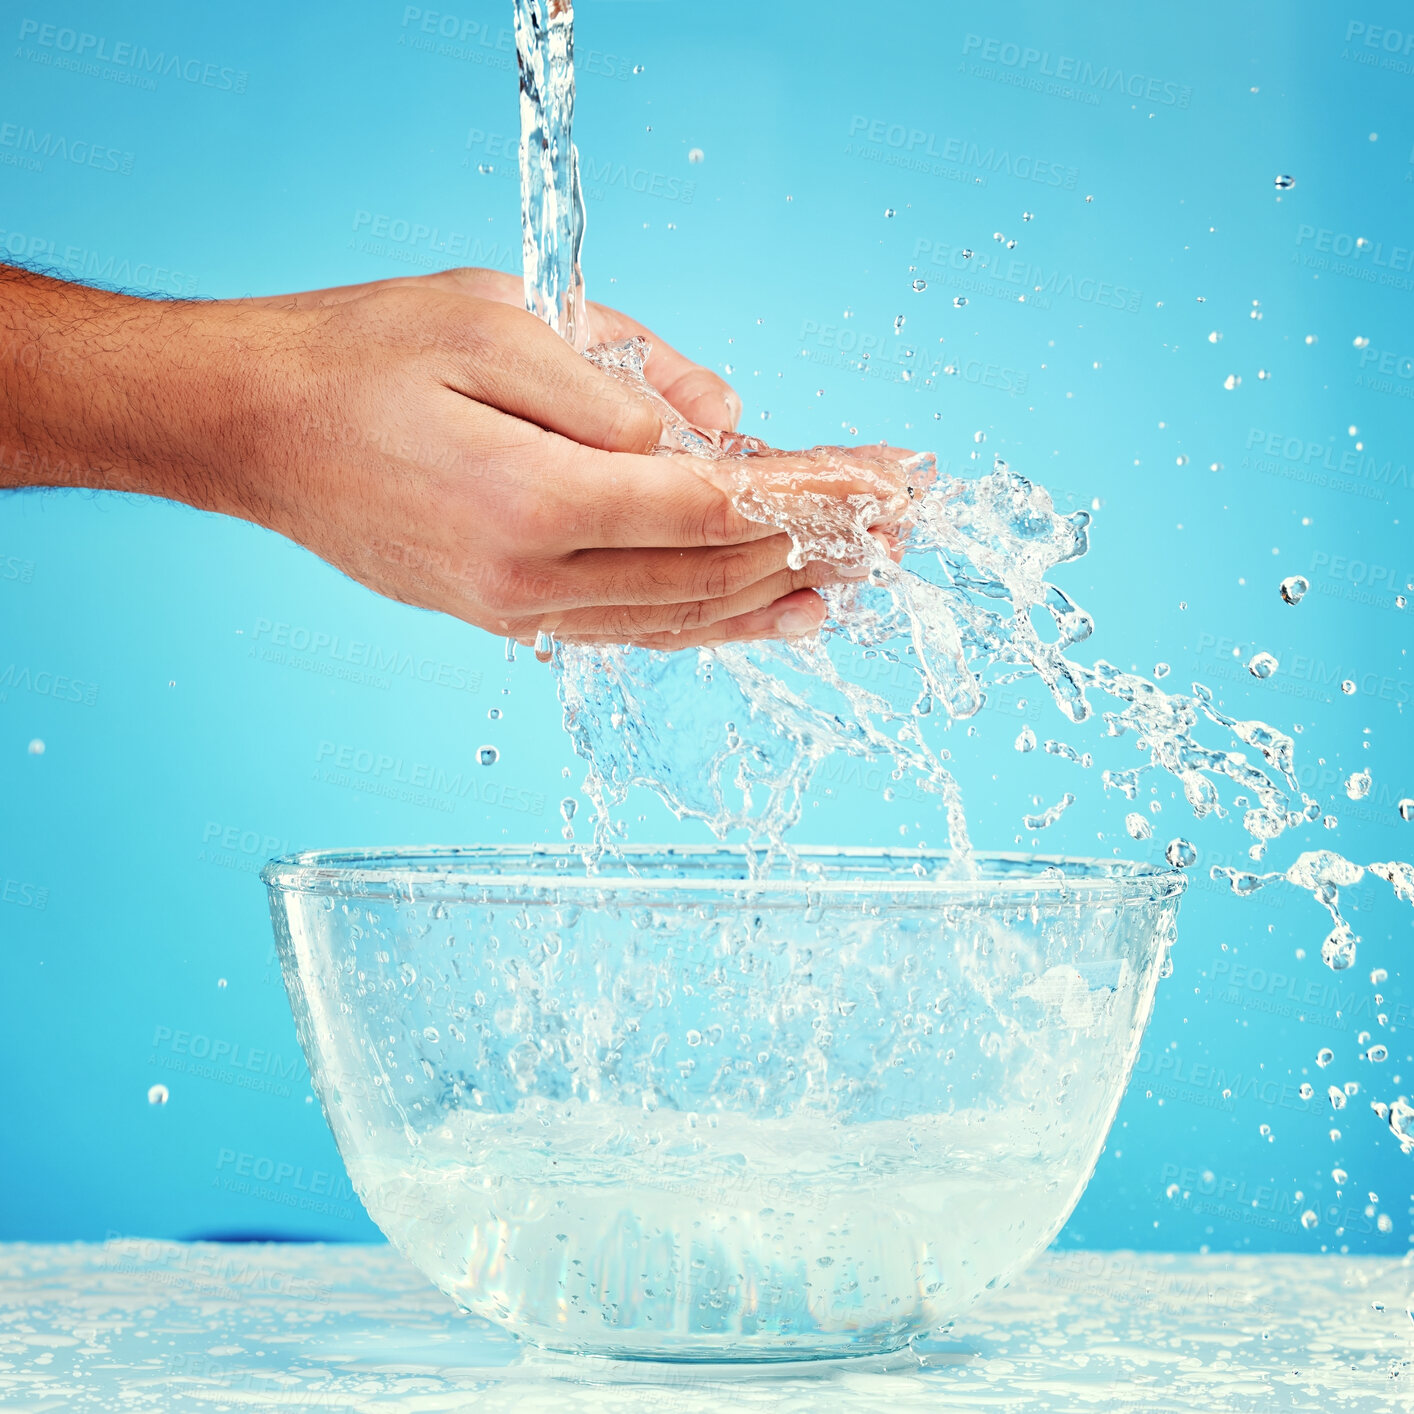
112 392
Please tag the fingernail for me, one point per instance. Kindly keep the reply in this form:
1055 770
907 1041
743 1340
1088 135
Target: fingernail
853 570
795 621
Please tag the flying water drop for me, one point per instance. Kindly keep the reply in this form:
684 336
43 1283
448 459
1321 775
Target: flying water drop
1180 853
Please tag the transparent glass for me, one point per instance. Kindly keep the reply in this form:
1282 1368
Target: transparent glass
666 1111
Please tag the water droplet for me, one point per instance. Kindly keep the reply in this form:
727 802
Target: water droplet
510 650
696 156
1161 670
1139 828
920 285
1285 183
1215 337
1180 853
966 254
568 806
1348 687
1309 1219
1028 215
1025 740
1232 381
693 1038
1307 1090
899 321
544 646
1406 809
221 982
1089 199
959 301
1357 785
157 1095
1336 1096
1361 342
1377 1054
888 211
431 1033
1294 588
1172 1191
1324 1057
488 755
485 168
638 68
1338 950
1262 665
36 747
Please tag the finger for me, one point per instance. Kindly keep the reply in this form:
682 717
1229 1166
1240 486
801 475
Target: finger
513 361
799 614
656 576
621 622
696 392
618 501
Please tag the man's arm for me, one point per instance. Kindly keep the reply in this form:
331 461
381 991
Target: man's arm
426 437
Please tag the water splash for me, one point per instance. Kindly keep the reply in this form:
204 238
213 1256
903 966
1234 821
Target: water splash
732 736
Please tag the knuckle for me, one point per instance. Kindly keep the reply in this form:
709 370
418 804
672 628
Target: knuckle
632 424
685 618
723 574
714 521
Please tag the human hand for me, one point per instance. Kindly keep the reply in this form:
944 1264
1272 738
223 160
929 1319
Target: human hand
438 444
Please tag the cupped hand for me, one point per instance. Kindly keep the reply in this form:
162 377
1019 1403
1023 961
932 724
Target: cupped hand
437 443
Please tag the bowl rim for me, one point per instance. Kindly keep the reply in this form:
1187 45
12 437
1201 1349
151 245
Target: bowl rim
394 872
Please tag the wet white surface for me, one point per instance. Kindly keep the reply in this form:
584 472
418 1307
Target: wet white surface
163 1328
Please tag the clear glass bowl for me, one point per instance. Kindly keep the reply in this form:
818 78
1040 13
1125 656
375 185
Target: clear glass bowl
666 1111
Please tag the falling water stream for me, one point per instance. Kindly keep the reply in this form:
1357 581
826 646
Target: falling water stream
732 735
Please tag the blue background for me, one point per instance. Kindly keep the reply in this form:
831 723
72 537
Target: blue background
212 659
